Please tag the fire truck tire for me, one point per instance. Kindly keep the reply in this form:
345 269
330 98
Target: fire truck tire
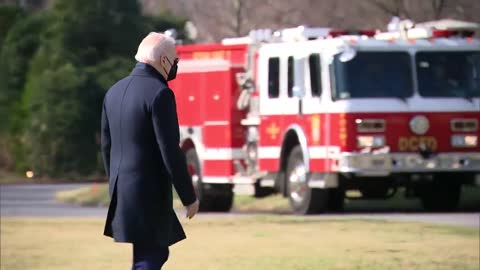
261 192
212 197
218 198
441 195
336 199
303 199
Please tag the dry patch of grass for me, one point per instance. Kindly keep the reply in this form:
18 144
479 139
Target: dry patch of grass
238 243
94 195
271 204
97 195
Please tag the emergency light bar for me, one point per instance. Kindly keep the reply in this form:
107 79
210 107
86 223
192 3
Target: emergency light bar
306 33
405 29
451 33
436 33
338 33
434 29
300 33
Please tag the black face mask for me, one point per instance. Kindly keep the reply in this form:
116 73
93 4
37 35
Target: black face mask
173 69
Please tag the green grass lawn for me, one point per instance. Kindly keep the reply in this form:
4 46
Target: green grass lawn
238 243
93 195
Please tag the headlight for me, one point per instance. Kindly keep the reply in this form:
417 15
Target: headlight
370 125
464 141
370 141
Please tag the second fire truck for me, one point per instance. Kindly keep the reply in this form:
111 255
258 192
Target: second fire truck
312 113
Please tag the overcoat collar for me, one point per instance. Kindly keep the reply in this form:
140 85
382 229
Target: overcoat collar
143 69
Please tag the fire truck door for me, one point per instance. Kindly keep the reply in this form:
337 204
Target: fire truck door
276 79
310 78
316 78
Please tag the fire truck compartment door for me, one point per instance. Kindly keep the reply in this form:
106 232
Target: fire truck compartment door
275 75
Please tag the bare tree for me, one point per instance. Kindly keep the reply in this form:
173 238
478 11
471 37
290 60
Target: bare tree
228 18
225 16
437 7
392 7
420 10
217 19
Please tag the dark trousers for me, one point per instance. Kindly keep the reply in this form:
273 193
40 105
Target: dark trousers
149 257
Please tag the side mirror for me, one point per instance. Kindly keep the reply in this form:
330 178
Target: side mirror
298 90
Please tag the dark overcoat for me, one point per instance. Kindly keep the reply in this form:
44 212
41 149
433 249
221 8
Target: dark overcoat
142 158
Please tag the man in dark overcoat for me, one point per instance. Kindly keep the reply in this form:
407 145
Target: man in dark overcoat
142 156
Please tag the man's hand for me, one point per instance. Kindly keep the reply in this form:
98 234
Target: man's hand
192 209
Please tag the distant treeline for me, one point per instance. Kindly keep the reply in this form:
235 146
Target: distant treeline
55 67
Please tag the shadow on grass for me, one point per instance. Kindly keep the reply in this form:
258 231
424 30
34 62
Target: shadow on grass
470 202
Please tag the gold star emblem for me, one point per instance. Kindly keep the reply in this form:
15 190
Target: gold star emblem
273 130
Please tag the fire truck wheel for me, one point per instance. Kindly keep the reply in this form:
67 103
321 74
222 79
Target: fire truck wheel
222 201
303 199
441 195
212 197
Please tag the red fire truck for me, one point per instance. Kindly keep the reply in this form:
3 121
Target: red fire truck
312 113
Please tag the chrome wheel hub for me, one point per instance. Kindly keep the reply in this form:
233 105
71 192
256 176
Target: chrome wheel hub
195 177
298 183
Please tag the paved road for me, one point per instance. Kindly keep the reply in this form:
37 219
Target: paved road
38 201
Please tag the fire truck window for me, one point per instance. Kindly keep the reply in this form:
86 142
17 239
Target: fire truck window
273 77
373 75
290 75
448 74
315 74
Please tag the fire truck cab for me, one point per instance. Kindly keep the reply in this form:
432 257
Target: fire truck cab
312 113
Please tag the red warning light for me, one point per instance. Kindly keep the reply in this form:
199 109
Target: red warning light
442 33
368 33
337 33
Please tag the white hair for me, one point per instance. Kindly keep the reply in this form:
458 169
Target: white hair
153 46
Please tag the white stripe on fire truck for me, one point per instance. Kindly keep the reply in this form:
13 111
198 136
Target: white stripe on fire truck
227 180
202 65
223 154
216 180
216 123
269 152
266 152
315 152
380 105
319 152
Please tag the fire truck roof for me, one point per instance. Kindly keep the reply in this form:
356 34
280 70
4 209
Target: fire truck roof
399 31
